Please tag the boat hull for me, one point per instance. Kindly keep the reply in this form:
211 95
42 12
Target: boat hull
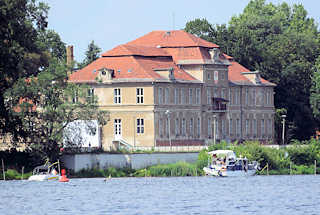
48 177
228 173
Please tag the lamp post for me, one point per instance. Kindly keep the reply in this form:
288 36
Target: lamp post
214 128
283 127
168 112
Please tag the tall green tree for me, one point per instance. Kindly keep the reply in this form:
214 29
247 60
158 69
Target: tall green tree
315 91
50 41
20 53
280 41
47 103
92 54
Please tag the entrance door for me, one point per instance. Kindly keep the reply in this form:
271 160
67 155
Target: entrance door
117 129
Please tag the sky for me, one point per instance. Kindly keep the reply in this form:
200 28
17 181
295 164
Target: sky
110 23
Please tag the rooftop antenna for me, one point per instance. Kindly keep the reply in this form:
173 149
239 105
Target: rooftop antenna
173 26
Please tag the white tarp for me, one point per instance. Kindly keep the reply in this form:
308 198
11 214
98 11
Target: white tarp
82 133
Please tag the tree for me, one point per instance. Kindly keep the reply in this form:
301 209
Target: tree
47 103
92 54
20 52
50 41
315 91
282 43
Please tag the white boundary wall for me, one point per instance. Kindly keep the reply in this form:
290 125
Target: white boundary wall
77 162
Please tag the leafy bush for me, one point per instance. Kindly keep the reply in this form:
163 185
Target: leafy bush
305 152
12 174
177 169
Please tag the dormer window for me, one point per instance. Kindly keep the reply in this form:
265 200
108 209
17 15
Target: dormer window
214 53
106 74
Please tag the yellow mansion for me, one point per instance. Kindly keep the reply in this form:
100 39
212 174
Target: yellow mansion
171 88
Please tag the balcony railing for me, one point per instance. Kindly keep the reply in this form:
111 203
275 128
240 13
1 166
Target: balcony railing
218 104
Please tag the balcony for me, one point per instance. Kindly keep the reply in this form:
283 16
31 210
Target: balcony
218 105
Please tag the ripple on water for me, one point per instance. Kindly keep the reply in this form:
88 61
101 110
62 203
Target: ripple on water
183 195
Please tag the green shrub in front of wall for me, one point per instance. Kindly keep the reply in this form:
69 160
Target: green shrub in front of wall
166 170
12 174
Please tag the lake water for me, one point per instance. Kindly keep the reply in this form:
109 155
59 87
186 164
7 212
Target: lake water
182 195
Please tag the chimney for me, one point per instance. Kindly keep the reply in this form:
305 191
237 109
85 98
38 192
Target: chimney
69 55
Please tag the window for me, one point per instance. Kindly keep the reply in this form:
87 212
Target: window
224 93
198 127
183 96
262 127
247 96
269 93
215 92
191 127
253 97
140 126
176 95
117 96
166 96
117 127
223 127
222 75
238 127
198 99
90 95
230 96
264 97
167 126
160 128
259 96
209 128
190 96
177 127
183 127
139 95
237 96
230 127
217 128
216 76
254 127
269 125
75 97
160 96
247 127
208 96
208 75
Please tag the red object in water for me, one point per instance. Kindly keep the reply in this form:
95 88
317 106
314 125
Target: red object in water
63 176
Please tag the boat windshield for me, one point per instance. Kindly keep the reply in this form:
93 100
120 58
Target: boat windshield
40 170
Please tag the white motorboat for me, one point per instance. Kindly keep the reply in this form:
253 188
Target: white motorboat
45 172
225 163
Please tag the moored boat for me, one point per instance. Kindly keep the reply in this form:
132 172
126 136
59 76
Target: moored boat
226 163
45 172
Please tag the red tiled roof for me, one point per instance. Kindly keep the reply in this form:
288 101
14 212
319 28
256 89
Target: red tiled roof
188 53
129 67
150 64
234 73
177 38
130 50
158 50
